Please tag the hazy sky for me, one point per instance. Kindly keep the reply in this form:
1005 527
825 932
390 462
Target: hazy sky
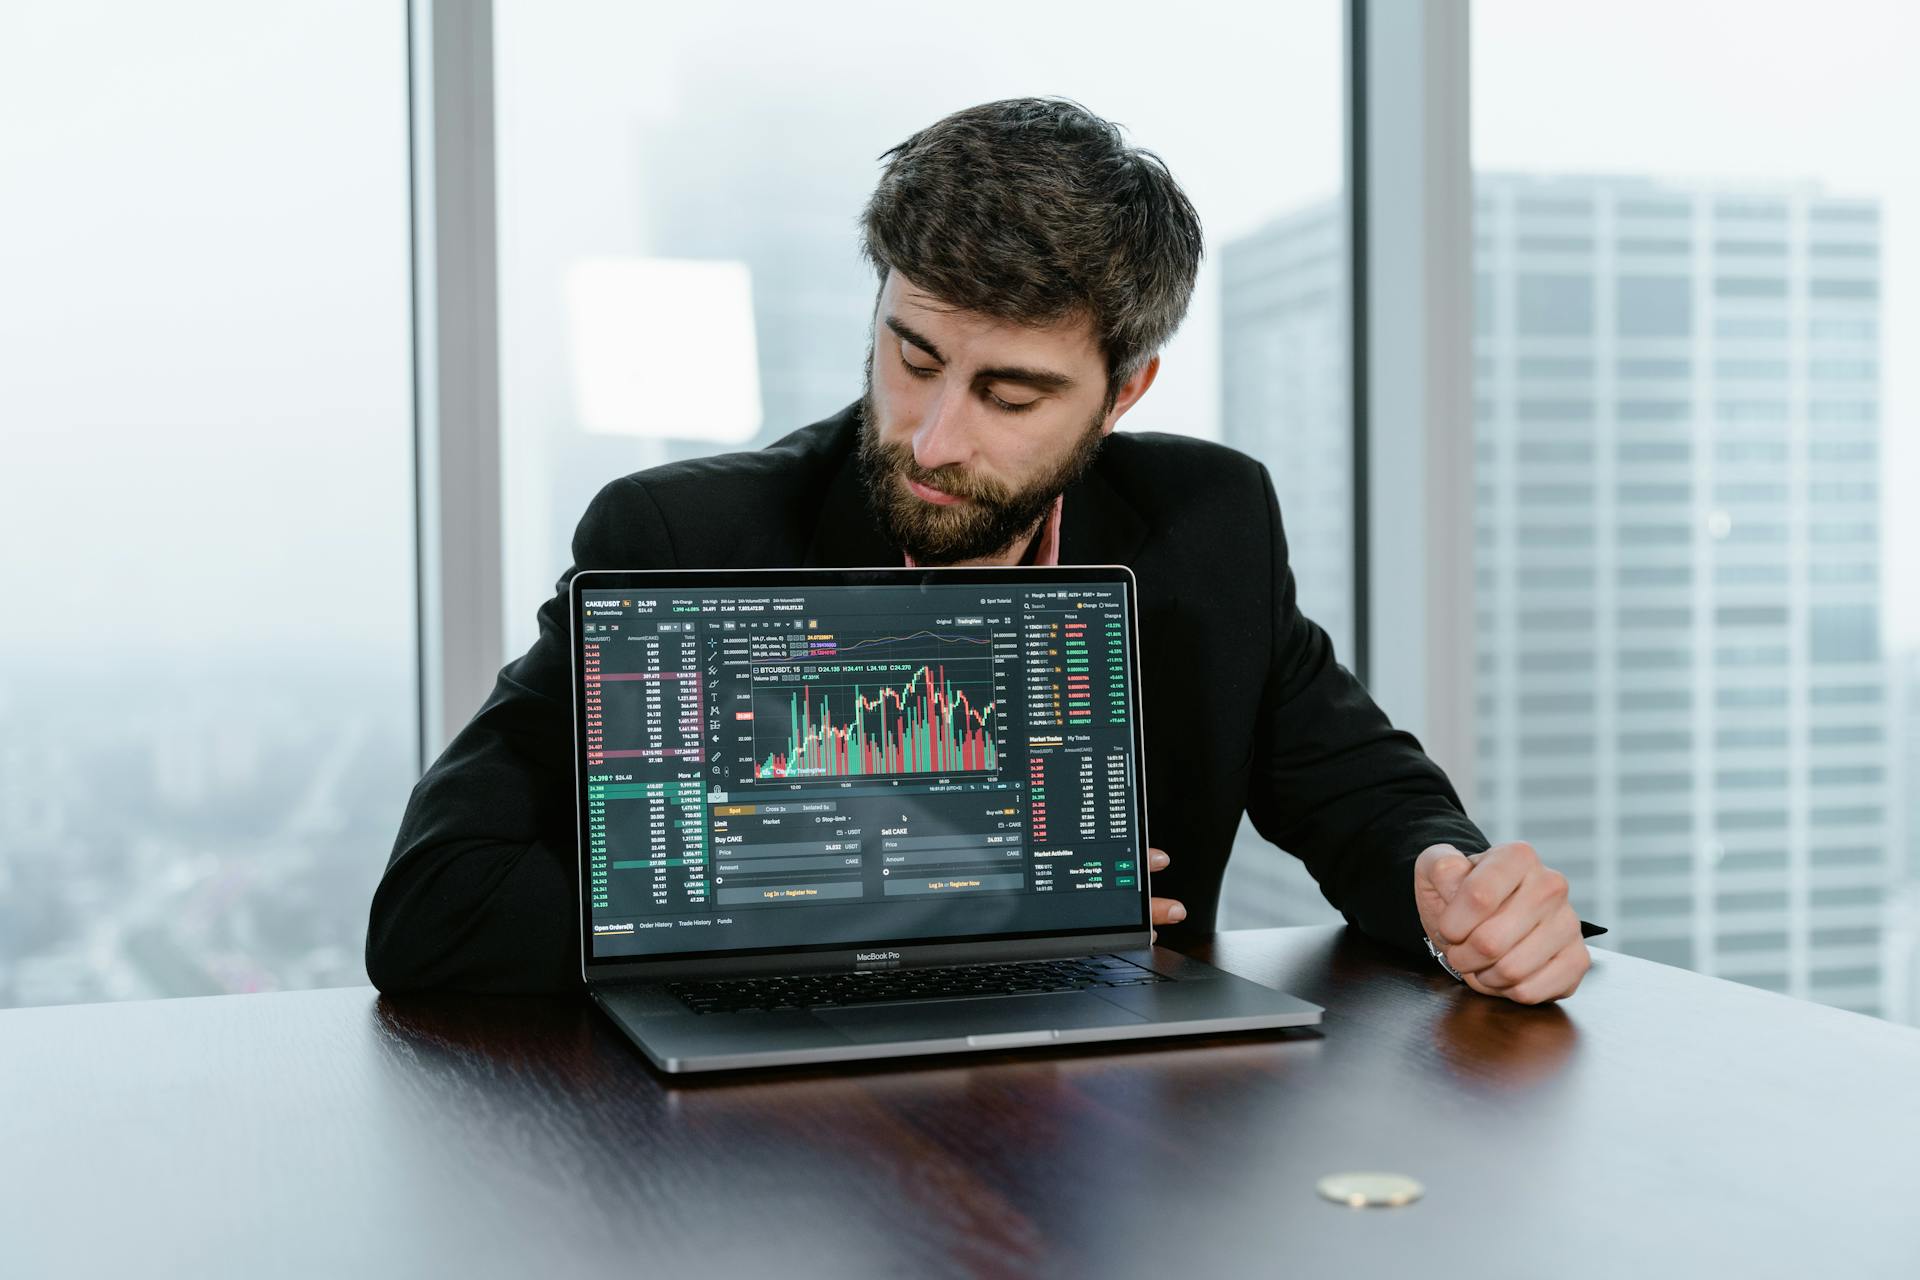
205 363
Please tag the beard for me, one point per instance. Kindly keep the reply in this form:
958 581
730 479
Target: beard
994 514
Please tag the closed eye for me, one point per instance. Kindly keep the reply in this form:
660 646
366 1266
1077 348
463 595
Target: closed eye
1004 406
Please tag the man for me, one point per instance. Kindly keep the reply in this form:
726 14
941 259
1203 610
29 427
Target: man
1031 266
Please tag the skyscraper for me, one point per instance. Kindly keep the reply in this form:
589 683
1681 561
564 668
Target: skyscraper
1681 696
1283 394
1284 399
1903 917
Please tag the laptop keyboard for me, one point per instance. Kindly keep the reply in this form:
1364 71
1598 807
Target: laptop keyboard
886 986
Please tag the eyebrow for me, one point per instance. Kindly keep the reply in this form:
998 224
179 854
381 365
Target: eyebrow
1038 379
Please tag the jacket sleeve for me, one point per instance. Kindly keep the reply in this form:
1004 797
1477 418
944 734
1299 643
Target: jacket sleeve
1337 785
481 891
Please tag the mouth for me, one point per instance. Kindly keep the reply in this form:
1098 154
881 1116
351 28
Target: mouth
938 497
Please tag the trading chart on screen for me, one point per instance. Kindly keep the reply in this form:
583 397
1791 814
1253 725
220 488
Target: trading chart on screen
893 761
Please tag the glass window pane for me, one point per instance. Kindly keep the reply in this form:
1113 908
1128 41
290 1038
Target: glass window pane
206 614
1745 341
699 161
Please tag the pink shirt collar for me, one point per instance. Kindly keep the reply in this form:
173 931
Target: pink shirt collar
1045 547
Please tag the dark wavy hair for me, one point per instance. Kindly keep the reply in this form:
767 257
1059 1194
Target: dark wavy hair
1035 210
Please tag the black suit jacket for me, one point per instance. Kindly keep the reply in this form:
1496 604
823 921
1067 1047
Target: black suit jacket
1245 707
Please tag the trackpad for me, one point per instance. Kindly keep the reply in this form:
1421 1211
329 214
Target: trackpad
943 1019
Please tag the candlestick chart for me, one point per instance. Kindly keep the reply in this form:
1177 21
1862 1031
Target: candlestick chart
883 706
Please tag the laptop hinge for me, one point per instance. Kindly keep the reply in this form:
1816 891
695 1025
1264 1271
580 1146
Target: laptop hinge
879 956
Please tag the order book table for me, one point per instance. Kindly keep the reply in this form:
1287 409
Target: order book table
1657 1123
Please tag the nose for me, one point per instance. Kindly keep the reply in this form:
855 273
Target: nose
942 437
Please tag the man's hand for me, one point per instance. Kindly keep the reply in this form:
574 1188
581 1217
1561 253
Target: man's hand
1165 910
1503 920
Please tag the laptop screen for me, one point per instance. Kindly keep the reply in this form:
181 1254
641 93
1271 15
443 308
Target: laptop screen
781 760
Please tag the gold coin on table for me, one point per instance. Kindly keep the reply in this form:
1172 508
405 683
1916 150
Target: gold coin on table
1363 1189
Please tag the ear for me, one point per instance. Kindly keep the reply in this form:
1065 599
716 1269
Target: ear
1130 392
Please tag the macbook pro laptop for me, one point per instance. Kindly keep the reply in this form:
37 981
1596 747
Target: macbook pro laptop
839 814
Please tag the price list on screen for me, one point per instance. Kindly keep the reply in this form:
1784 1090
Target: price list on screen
646 817
1079 776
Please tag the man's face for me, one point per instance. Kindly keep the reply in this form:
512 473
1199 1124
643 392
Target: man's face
973 425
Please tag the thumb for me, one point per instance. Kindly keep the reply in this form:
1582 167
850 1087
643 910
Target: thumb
1437 877
1447 874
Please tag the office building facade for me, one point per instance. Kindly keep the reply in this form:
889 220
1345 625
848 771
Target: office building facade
1681 695
1681 692
1284 399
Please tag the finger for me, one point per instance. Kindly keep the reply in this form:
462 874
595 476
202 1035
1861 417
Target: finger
1157 859
1528 956
1168 911
1493 879
1557 980
1539 897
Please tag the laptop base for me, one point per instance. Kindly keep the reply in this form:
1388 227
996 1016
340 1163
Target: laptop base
1199 1000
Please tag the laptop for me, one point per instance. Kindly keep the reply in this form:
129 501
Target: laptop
829 815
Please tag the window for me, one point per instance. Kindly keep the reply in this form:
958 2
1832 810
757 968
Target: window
206 602
1684 393
1654 306
635 134
1554 305
1744 324
1845 633
628 134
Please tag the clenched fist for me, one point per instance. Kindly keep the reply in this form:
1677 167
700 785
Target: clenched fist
1503 920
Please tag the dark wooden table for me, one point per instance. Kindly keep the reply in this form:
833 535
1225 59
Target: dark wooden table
1658 1123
